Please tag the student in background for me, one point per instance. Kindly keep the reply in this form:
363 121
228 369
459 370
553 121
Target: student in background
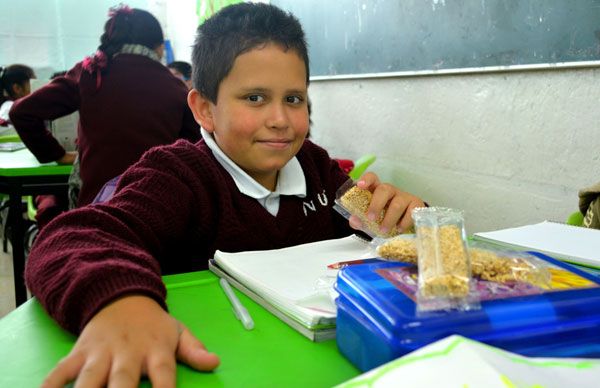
589 206
127 99
183 71
74 178
14 84
97 270
49 206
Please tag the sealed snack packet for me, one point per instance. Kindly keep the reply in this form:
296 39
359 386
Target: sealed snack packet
487 262
444 280
398 248
504 266
352 200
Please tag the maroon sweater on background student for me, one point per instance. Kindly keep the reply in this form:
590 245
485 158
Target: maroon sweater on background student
170 212
139 104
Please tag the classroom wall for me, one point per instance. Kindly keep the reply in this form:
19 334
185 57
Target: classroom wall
53 35
180 27
508 148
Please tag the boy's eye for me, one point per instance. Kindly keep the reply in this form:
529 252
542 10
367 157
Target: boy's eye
255 98
294 99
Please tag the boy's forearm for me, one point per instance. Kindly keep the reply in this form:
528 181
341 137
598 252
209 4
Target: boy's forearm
89 256
75 270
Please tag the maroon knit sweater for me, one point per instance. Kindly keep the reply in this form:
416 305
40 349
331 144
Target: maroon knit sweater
138 105
170 212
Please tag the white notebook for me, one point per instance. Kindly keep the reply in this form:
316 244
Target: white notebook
462 362
566 242
11 146
295 280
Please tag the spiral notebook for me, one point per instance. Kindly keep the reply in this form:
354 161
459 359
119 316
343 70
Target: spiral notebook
569 243
294 283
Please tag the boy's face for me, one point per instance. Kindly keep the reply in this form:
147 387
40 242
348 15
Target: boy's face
260 119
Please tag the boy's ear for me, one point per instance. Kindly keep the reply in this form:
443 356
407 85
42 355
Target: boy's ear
201 108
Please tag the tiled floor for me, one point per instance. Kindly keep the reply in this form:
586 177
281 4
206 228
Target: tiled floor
7 288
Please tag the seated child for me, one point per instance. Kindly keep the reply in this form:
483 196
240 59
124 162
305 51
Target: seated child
183 71
253 182
14 84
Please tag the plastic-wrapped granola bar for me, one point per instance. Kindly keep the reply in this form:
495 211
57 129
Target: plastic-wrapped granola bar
444 280
399 248
352 200
504 266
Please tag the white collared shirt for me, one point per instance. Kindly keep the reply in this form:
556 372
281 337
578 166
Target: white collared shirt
5 108
290 180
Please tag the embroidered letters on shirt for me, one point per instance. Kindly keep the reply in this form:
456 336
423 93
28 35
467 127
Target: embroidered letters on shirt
322 200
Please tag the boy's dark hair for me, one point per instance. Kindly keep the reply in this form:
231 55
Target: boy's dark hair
183 67
237 29
11 75
130 26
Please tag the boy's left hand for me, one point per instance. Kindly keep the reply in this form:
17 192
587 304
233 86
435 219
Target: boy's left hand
399 204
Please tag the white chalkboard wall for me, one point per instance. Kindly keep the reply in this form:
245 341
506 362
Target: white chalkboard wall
348 37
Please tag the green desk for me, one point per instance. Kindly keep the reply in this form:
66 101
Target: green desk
21 174
272 354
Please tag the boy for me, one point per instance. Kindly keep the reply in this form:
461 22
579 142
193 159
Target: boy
243 187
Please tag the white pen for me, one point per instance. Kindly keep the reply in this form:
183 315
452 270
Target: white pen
240 311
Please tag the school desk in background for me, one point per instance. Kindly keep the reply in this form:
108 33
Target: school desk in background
11 146
22 175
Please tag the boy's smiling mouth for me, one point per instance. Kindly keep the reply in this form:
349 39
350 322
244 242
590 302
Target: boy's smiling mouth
276 143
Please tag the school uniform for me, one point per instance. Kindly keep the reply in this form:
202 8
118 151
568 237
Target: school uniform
6 127
125 109
4 109
170 212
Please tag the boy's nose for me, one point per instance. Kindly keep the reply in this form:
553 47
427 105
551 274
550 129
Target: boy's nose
277 118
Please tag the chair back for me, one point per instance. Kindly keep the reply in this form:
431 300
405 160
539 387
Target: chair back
575 219
107 191
360 165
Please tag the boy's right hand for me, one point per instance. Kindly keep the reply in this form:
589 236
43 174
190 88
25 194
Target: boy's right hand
130 337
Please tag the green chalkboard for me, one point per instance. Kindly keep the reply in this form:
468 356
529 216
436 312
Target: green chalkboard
348 37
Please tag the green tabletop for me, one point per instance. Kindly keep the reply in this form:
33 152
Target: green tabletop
23 163
273 354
